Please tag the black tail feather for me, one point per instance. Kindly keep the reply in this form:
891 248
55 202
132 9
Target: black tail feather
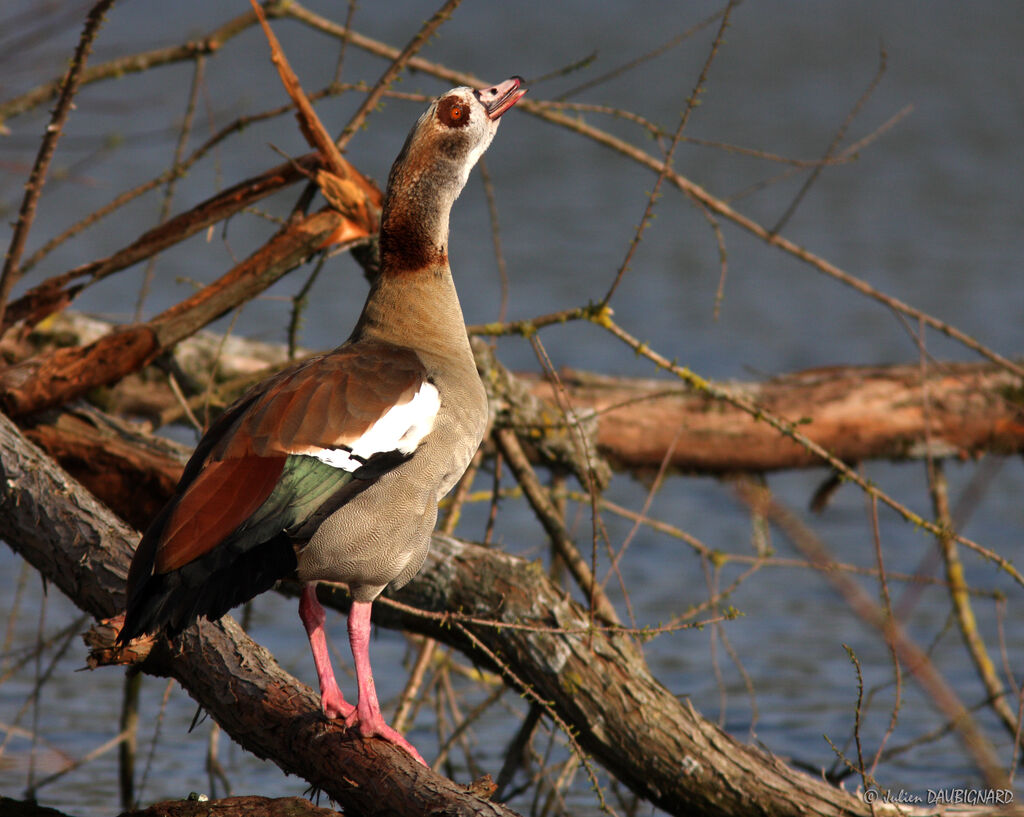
170 602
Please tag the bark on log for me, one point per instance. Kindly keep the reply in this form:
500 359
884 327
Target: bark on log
857 412
133 473
26 808
225 807
235 807
79 545
598 682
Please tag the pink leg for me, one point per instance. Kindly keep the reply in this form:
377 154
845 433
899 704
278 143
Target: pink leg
313 617
367 715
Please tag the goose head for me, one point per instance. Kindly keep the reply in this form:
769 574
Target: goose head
433 165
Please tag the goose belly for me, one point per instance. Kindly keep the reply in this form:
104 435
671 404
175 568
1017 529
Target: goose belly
382 535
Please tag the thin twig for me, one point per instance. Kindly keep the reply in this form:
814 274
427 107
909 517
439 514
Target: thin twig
911 655
656 131
12 620
117 68
528 692
889 637
641 516
961 601
650 55
214 768
710 582
499 255
62 642
183 404
453 512
344 41
151 756
790 429
857 714
691 104
466 721
129 746
448 619
299 303
414 685
516 751
85 759
38 682
548 516
836 139
583 455
394 69
845 156
763 560
495 498
47 147
173 174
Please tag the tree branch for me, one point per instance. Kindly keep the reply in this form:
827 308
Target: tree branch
79 545
47 147
860 413
54 378
56 292
856 412
595 678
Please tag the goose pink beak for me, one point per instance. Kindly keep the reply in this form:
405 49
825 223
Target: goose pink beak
499 98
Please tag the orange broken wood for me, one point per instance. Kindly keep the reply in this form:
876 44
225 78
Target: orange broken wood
57 292
53 378
344 188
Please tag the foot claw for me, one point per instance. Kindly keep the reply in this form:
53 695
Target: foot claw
370 727
335 706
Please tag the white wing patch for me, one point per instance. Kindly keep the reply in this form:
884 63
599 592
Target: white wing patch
401 428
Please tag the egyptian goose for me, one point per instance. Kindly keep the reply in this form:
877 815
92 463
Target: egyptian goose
332 469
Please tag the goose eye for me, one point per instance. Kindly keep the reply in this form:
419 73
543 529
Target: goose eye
453 112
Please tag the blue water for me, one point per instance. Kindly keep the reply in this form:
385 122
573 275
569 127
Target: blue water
930 212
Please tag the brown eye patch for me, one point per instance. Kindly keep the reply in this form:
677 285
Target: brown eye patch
453 112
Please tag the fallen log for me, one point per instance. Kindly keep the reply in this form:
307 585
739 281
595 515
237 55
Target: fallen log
235 807
198 806
858 413
596 680
84 549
